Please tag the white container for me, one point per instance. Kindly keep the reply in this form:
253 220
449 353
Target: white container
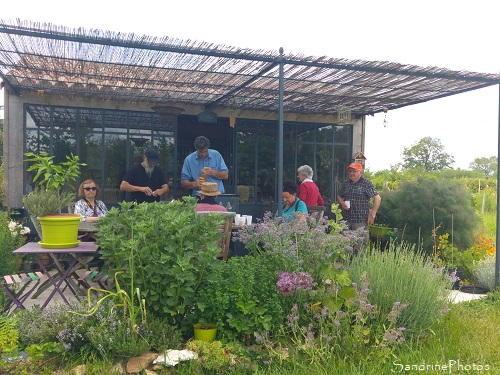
237 219
249 219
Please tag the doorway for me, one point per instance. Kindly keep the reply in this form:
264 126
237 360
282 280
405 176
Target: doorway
220 136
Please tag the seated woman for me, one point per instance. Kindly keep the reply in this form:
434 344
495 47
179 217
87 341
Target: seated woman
207 202
291 203
88 207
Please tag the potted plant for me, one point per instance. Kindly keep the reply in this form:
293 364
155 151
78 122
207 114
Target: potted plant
205 331
46 201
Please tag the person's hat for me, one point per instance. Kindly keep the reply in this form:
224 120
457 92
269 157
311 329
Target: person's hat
152 155
357 166
209 189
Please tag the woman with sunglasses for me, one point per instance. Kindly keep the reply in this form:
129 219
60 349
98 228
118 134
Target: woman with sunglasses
88 207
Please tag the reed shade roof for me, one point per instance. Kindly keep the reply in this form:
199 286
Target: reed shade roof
105 65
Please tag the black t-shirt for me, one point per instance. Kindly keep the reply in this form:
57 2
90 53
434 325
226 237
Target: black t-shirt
137 176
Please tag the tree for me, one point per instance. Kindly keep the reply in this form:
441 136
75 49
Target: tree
486 165
427 154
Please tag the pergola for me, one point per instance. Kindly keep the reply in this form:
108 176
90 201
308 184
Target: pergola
104 65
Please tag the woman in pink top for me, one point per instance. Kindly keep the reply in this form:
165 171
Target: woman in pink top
207 202
308 190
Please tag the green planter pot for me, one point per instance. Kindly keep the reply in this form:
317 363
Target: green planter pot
205 331
59 231
379 231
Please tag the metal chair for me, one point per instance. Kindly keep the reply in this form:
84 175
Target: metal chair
317 212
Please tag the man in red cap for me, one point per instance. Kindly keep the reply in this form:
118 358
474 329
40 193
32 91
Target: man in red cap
354 197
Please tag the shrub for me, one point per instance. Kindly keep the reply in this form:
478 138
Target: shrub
402 274
463 260
170 246
295 246
11 238
484 272
425 204
240 296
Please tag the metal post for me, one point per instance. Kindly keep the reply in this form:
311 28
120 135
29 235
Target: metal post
497 253
280 132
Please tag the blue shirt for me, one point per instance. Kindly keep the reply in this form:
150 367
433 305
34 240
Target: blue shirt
297 206
193 165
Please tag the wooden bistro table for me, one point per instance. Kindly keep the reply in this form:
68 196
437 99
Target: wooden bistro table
65 270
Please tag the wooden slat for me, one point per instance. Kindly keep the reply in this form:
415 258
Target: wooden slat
17 279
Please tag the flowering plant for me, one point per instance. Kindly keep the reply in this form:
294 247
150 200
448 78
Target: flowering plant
18 229
296 246
11 238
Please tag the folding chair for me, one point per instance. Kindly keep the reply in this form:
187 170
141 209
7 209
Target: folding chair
20 296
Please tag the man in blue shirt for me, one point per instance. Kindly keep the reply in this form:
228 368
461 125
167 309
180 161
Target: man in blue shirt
203 165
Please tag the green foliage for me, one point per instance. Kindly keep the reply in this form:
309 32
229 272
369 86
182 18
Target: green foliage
484 272
451 257
47 349
47 197
160 335
42 202
54 176
405 275
9 334
428 155
240 296
425 207
488 166
174 246
295 245
9 241
485 199
212 355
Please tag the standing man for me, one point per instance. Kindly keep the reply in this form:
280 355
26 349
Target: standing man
145 181
358 191
203 165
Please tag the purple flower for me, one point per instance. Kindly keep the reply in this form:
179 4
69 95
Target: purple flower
290 282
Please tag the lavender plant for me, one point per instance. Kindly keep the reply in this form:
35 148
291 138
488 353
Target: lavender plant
357 330
406 275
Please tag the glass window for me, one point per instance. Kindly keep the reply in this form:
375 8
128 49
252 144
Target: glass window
343 134
246 156
115 166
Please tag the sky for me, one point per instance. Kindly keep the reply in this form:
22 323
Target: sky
443 33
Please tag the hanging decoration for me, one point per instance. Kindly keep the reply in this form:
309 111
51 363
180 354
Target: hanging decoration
385 117
344 115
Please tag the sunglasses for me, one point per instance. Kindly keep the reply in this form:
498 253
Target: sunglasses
90 188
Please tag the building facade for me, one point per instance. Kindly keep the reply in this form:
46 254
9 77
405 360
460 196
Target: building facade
111 137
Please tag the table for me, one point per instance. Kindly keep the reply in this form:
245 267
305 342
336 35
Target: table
77 255
87 227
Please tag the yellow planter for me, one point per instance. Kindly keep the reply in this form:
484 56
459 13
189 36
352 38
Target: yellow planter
205 331
59 231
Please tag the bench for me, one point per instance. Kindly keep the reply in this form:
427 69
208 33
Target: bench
24 280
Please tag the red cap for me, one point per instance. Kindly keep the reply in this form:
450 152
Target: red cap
357 166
